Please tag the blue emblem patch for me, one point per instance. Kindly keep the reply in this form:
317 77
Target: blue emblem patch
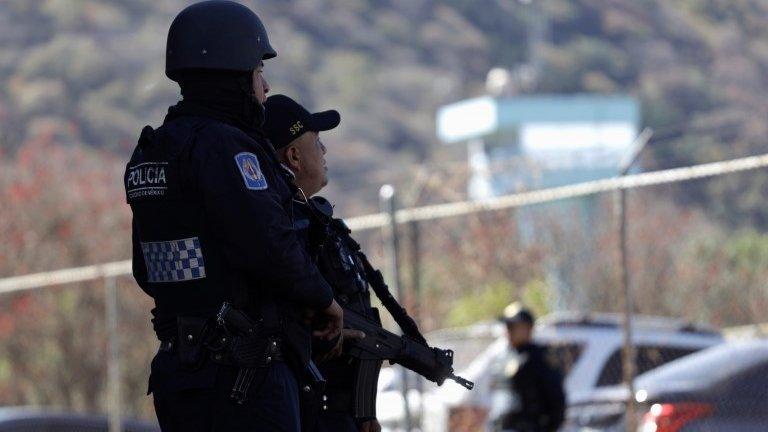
248 165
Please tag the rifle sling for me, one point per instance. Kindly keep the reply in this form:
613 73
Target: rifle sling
375 279
403 320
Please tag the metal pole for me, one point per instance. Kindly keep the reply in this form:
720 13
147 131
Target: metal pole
113 356
389 206
415 304
415 255
620 208
628 356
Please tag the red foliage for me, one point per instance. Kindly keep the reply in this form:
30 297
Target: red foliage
62 206
58 200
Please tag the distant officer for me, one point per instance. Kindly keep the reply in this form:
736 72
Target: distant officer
536 387
214 242
295 134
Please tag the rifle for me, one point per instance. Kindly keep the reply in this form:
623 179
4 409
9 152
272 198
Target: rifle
410 350
432 363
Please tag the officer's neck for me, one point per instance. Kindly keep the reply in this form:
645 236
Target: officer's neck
224 97
523 346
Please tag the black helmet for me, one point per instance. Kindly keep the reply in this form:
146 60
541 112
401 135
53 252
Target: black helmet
216 34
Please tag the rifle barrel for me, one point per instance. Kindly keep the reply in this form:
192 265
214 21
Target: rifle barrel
469 385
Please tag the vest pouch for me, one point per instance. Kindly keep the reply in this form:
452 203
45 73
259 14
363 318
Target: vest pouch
191 333
337 266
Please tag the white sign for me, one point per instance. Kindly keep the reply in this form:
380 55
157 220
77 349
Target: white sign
465 120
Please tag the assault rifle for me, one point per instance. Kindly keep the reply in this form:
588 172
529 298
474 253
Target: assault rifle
410 350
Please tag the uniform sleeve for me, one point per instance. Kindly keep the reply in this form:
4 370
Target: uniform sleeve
247 213
138 267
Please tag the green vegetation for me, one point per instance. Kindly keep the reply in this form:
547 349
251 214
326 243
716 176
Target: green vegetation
490 300
487 303
90 72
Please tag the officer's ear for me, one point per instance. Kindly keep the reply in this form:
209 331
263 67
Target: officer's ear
292 157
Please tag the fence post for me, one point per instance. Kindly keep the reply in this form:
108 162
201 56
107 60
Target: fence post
415 300
415 265
114 408
628 355
620 209
389 206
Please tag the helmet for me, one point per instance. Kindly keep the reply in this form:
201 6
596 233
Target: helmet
216 34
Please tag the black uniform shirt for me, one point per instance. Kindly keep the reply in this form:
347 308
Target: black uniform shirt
540 389
212 218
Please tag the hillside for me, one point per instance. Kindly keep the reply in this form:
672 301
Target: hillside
90 72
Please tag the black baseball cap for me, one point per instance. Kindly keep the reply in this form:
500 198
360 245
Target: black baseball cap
286 120
516 313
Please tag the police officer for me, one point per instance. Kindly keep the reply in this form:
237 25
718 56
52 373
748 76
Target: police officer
213 238
295 134
537 388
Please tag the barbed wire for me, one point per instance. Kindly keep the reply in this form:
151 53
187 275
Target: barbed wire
673 175
430 212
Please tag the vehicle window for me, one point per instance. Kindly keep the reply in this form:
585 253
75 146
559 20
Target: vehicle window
713 365
648 357
562 356
651 357
611 373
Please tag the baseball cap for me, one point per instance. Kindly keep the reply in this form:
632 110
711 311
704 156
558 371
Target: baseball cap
285 120
515 313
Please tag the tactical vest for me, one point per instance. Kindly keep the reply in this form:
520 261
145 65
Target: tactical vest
336 254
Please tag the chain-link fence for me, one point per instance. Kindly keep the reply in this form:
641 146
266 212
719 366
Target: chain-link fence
695 274
695 263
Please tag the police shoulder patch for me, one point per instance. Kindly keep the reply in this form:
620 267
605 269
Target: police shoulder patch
248 164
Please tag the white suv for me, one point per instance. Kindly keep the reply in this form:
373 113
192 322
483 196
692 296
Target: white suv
585 347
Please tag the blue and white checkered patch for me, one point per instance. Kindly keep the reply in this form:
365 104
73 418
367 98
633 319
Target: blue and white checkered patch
174 260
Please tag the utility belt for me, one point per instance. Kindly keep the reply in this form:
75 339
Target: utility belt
227 353
232 339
